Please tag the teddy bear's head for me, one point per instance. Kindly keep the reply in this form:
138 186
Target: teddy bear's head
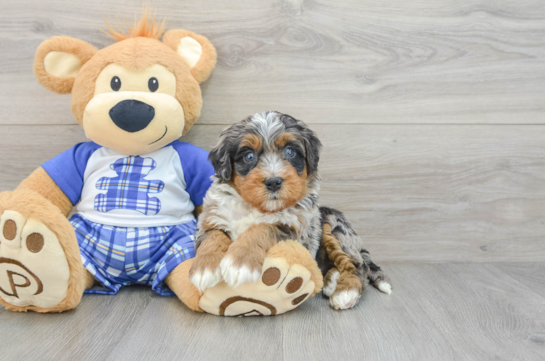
136 95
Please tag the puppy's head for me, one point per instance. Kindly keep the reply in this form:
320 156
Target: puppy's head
269 158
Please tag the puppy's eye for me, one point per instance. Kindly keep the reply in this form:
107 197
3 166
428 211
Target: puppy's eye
115 83
289 153
153 84
249 157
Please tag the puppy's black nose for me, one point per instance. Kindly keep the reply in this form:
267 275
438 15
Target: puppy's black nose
132 115
273 184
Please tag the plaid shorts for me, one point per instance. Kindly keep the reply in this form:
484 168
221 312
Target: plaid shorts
121 256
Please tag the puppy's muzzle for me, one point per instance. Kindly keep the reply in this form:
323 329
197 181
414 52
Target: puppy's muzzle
132 115
273 184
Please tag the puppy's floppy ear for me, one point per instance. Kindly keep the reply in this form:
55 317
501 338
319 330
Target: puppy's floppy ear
220 157
58 61
196 50
313 147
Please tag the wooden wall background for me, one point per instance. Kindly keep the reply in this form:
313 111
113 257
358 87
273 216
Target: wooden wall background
432 113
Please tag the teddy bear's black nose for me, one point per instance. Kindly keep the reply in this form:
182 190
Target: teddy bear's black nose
132 115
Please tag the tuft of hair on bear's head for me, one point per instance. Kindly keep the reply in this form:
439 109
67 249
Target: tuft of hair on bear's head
146 27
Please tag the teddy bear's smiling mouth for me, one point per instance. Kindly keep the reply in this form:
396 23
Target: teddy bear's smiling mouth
162 136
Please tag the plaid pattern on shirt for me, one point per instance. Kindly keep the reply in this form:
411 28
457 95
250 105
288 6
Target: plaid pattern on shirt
129 190
121 256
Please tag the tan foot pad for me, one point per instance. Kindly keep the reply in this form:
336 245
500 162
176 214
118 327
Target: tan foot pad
281 288
33 267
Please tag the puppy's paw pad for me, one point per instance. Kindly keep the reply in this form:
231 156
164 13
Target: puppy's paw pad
33 267
385 287
281 287
343 300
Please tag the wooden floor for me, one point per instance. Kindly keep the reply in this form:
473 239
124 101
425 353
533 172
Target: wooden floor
436 312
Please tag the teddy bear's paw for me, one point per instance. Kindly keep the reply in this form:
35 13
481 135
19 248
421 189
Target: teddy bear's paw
34 270
281 287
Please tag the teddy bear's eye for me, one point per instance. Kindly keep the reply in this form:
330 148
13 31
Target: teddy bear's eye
153 84
115 83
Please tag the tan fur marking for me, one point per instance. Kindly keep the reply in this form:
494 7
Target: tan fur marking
252 141
284 139
211 251
342 261
294 187
252 245
252 189
197 211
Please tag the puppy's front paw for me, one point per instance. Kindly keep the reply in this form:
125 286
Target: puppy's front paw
205 271
236 271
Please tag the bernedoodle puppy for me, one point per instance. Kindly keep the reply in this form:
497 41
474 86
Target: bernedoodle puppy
265 191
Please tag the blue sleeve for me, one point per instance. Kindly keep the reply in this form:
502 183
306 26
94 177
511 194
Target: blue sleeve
67 169
197 170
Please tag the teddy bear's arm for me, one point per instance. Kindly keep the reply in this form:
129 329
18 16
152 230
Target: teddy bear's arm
40 182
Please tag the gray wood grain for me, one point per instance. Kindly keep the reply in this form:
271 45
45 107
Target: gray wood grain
90 332
378 328
181 334
425 193
480 310
532 275
436 312
347 61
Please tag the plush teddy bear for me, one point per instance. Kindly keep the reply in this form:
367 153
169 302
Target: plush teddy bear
137 189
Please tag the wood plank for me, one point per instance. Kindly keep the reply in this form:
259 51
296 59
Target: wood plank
327 62
379 327
528 274
90 332
168 330
480 311
421 193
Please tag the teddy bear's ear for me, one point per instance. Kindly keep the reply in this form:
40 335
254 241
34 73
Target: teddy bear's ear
59 59
196 50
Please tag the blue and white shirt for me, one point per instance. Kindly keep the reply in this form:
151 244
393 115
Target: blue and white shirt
161 188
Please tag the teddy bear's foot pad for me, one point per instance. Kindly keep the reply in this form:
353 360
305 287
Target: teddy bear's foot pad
33 266
281 288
